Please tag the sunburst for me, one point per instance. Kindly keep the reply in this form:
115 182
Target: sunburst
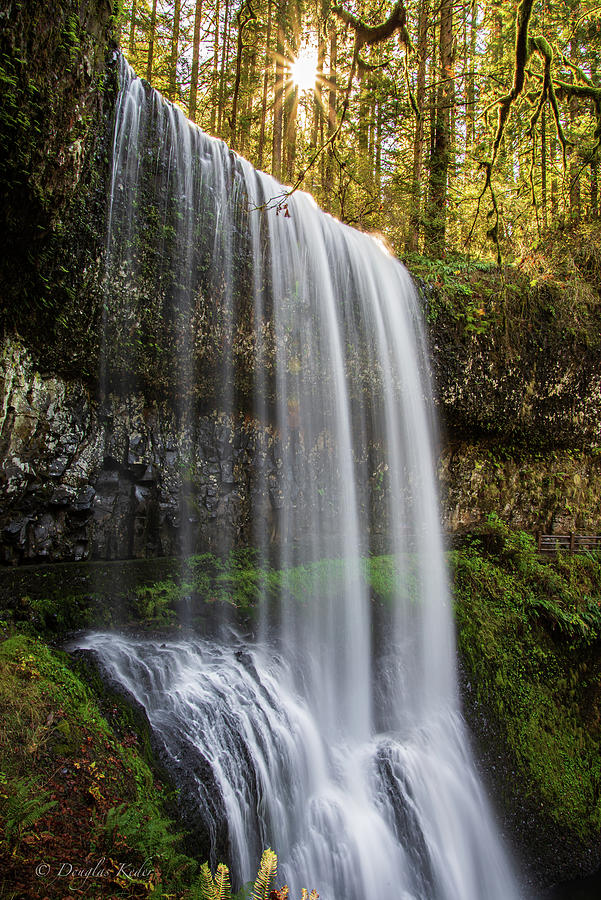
303 69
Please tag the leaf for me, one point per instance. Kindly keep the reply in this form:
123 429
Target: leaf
223 889
265 876
208 890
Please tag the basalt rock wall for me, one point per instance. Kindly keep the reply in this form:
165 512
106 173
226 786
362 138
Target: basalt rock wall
516 365
82 480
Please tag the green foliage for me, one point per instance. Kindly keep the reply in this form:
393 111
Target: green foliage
58 754
529 631
141 826
217 888
71 36
154 603
523 118
57 613
23 803
266 875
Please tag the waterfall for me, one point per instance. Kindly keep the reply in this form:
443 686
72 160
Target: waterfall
335 735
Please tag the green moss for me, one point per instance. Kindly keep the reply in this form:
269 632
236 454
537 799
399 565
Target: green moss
72 784
529 631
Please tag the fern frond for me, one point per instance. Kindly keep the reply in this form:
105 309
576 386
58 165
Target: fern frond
22 811
223 890
208 890
266 874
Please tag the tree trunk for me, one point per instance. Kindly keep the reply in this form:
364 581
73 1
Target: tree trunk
278 94
291 93
594 160
574 170
435 225
266 74
363 123
225 52
332 114
291 135
132 29
554 185
249 74
418 135
470 93
543 165
215 97
242 23
239 48
151 37
173 91
317 100
192 106
378 156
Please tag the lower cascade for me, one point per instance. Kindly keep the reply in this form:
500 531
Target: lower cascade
333 733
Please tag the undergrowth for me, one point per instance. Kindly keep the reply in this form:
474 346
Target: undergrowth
551 288
74 795
529 631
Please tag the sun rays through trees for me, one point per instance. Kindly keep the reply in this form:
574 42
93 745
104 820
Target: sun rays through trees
444 125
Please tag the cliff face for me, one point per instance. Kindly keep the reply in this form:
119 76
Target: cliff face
58 89
516 362
82 481
514 354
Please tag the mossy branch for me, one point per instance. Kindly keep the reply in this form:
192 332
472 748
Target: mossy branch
519 72
375 34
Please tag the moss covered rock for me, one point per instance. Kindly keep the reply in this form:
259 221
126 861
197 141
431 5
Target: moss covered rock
529 635
80 808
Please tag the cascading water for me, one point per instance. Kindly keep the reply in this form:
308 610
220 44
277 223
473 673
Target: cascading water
335 736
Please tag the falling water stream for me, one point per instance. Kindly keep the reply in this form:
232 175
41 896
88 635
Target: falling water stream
332 737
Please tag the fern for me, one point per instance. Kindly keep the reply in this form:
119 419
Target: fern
145 831
223 889
22 811
207 885
218 888
266 874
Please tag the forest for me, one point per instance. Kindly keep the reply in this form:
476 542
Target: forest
470 127
300 523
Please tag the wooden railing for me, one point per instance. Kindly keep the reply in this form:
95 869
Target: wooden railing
552 544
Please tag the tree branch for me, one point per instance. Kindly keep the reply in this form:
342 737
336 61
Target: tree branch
375 34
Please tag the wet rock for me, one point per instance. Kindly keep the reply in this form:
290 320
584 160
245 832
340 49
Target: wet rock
227 472
62 496
143 497
84 500
16 529
58 466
